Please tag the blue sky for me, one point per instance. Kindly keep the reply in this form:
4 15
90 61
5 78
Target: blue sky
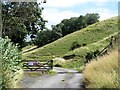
57 10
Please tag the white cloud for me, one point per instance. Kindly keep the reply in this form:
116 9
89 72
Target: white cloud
105 15
62 3
103 12
70 3
57 10
54 16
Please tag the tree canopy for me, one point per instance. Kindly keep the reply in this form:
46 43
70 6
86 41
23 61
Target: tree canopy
21 19
76 23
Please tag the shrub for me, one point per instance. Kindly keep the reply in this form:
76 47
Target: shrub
10 59
75 45
58 62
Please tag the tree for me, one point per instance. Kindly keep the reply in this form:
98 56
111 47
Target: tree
73 24
76 23
68 26
47 36
92 18
21 19
56 29
80 22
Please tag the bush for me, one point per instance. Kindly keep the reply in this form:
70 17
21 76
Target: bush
75 45
10 59
58 62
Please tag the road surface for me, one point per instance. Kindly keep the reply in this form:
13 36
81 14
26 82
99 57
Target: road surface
64 78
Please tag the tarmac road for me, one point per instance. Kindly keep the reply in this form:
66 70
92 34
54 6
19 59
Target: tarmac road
65 78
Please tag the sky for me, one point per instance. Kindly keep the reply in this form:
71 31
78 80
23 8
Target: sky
57 10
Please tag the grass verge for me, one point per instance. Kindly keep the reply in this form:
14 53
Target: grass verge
103 73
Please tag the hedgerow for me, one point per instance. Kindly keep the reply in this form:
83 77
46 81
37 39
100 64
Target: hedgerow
11 67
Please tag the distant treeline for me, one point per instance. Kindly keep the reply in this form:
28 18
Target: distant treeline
65 27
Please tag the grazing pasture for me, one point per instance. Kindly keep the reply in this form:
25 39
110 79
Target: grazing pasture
87 40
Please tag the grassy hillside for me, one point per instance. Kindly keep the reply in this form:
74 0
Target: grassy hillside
93 36
103 73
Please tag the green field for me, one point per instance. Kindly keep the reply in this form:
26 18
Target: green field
95 37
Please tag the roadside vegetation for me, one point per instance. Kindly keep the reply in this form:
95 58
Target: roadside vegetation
11 71
103 73
19 20
51 72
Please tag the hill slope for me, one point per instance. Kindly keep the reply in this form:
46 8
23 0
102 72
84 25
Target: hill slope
92 34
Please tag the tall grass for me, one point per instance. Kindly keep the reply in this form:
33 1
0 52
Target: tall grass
102 73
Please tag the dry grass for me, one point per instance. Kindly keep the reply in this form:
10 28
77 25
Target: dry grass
33 74
103 73
15 81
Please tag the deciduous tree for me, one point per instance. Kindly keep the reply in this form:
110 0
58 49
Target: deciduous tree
21 19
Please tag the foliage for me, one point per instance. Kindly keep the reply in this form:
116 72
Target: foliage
10 59
21 19
59 62
75 45
91 18
57 29
103 73
46 36
84 44
68 26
